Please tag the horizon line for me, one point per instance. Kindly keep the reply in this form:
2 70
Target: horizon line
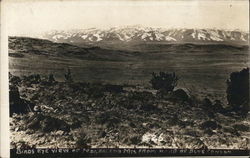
136 25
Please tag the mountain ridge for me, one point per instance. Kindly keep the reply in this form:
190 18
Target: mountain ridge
128 34
21 46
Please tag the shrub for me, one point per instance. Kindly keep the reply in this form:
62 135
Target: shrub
95 90
14 79
17 55
238 90
32 79
83 141
17 104
143 96
138 100
241 127
164 82
46 123
113 88
109 118
210 124
23 145
135 140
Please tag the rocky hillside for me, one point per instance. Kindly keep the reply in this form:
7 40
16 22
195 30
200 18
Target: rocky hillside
148 34
81 115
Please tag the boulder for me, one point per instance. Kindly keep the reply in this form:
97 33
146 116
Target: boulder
206 103
179 95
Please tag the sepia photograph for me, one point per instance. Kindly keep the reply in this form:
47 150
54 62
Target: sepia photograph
127 78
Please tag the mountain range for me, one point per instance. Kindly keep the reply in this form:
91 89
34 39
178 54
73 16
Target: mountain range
131 34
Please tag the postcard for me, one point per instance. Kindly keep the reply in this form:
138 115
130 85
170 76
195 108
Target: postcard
119 78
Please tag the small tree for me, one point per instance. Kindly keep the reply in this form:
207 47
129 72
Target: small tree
51 78
164 82
238 90
68 77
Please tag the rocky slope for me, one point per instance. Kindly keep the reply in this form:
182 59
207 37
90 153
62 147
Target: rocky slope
77 115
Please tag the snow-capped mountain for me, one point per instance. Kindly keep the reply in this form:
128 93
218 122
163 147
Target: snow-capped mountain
148 34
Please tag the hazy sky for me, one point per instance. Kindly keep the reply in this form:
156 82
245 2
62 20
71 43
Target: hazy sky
33 16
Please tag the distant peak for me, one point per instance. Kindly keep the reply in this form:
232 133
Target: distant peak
139 33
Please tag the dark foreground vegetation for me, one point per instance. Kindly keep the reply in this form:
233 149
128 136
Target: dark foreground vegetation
47 113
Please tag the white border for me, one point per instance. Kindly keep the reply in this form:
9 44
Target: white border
4 93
